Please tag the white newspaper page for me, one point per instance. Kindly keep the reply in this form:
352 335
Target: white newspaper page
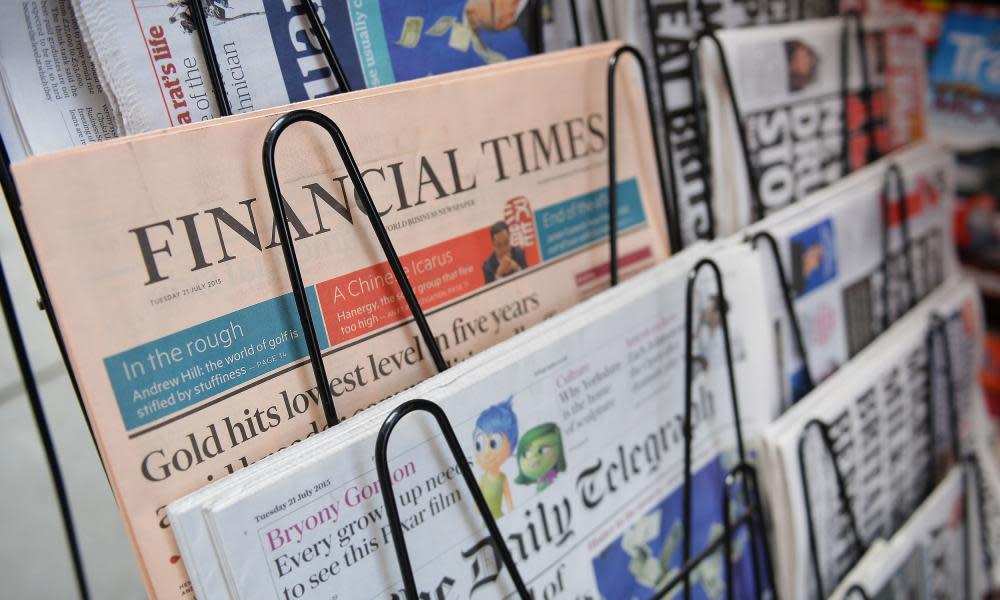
576 443
48 81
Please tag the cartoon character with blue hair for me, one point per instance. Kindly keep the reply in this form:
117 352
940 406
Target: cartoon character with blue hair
495 437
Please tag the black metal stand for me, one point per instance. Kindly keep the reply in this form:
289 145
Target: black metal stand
602 24
846 507
38 413
786 295
872 153
200 22
743 471
669 202
291 261
752 179
894 174
325 46
392 510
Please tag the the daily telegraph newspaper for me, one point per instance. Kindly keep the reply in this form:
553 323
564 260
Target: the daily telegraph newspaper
50 95
879 412
787 82
965 100
173 297
149 60
663 30
574 432
831 249
925 559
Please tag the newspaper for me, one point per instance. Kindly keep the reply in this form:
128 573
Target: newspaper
150 63
925 559
787 81
174 299
268 53
879 416
831 248
599 516
662 30
50 96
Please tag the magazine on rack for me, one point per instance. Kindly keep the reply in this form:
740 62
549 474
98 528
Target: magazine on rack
831 249
174 300
925 559
573 429
879 413
50 96
788 84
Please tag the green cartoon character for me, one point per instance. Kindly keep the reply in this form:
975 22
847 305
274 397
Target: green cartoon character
540 456
495 437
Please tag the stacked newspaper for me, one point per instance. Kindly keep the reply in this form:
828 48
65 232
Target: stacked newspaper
50 94
798 96
831 246
878 422
926 558
154 67
174 302
574 430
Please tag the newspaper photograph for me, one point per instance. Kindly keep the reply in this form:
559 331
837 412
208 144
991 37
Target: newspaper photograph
573 431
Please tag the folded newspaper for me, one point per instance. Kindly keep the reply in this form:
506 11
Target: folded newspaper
50 95
175 303
574 430
663 30
879 414
831 249
925 559
789 83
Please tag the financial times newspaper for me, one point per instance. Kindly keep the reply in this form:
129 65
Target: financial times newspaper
51 95
174 301
831 249
879 416
574 433
787 81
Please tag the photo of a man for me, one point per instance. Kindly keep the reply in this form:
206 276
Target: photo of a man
506 258
802 65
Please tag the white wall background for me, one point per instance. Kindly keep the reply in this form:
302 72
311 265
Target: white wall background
34 558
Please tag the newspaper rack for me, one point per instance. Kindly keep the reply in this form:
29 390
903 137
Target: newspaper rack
744 472
894 174
936 328
789 304
602 23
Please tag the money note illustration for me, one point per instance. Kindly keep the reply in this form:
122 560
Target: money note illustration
461 36
484 52
412 27
441 26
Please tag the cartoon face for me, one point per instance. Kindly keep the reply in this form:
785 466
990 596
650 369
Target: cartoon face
492 449
541 455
